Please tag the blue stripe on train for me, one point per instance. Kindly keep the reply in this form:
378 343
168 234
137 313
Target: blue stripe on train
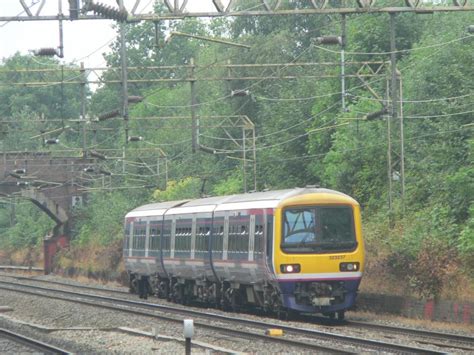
287 290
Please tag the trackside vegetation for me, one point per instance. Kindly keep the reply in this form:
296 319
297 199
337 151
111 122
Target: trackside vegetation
423 245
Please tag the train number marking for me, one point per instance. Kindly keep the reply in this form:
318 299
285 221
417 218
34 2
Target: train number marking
337 257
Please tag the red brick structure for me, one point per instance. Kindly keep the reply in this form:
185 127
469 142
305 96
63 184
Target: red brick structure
52 183
445 311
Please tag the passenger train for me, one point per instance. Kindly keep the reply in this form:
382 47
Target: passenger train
288 251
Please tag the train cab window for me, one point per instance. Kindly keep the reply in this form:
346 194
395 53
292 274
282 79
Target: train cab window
318 229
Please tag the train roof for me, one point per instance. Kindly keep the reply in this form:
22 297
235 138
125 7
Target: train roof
154 209
264 199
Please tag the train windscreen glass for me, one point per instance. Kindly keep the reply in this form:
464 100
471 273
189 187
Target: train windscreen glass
318 229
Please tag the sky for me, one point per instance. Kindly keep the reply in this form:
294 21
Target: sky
84 40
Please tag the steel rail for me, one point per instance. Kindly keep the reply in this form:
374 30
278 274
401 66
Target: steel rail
419 332
374 344
37 345
24 278
220 329
356 324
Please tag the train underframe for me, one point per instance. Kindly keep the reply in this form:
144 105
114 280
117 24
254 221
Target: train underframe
330 298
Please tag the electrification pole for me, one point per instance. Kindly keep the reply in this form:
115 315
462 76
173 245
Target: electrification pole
123 60
83 110
194 118
395 129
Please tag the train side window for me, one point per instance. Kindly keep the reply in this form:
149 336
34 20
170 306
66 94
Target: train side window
183 238
269 237
259 239
154 241
202 237
166 238
239 237
139 237
217 243
126 239
243 240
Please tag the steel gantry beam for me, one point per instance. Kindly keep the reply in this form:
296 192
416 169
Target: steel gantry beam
179 9
180 73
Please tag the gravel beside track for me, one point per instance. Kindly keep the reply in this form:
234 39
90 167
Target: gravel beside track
88 329
10 347
14 341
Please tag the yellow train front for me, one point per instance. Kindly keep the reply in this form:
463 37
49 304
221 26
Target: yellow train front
288 250
319 252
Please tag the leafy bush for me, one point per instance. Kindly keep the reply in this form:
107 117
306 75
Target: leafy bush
31 226
431 268
95 261
425 256
179 190
100 221
466 244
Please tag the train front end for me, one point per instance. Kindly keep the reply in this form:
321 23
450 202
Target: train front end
318 252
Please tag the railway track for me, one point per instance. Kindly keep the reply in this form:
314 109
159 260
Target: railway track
35 345
439 339
294 337
133 308
464 342
52 282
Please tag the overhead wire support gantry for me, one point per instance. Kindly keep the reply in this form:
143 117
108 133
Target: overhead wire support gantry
180 9
177 10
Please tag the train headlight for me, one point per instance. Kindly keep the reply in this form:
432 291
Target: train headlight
290 268
349 266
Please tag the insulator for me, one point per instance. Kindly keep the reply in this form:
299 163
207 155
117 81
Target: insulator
51 141
47 52
19 171
329 40
365 3
239 93
219 6
470 29
22 183
108 12
16 176
104 172
207 149
73 9
98 155
89 169
377 114
135 99
412 3
107 115
135 138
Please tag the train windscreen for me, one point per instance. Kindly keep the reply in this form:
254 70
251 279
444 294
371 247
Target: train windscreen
318 229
